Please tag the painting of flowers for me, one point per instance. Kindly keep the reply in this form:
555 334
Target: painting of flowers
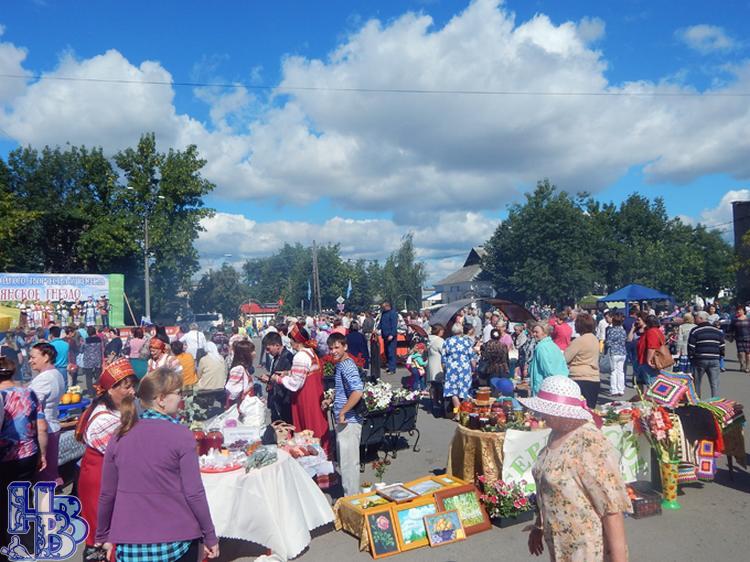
382 531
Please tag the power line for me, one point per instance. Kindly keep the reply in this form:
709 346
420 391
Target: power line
418 91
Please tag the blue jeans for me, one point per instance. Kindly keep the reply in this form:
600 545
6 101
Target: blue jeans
710 367
417 380
390 353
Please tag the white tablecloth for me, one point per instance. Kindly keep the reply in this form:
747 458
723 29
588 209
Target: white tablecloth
275 506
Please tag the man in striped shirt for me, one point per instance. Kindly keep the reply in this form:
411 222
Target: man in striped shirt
348 427
705 350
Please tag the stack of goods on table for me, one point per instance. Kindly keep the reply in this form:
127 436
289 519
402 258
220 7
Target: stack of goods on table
495 415
306 449
429 511
685 433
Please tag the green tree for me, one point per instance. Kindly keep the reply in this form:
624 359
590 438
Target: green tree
556 248
78 216
220 290
169 190
543 250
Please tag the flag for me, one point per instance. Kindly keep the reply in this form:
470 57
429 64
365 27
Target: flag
349 289
309 291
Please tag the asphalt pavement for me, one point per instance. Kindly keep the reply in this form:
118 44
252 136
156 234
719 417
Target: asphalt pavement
711 526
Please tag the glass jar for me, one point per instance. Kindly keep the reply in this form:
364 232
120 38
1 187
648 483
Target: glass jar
200 441
214 440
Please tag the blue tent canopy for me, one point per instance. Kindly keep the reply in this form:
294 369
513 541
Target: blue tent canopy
636 293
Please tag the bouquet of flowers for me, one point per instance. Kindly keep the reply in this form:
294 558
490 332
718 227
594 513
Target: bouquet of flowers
328 398
654 422
401 395
504 499
527 422
380 467
378 395
329 367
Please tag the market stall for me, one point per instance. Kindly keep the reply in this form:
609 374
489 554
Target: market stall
475 452
286 505
351 512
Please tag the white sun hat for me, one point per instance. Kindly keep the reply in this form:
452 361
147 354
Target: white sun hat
559 396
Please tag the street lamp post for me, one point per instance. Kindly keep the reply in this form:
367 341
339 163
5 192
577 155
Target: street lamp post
146 271
146 265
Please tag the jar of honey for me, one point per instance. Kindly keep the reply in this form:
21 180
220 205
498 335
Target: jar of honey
483 394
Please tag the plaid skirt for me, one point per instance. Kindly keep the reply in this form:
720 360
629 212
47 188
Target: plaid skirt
743 346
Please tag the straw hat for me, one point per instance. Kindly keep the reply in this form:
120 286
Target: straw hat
559 396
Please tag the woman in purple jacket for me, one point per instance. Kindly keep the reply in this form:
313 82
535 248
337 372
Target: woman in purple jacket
152 503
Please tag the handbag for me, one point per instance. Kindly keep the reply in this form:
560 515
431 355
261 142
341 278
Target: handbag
200 352
663 357
605 363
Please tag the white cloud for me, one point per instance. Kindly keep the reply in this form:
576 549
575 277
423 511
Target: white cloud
11 62
55 111
372 150
706 38
591 29
437 162
443 245
720 216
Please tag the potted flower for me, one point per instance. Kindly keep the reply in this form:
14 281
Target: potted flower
380 468
366 487
506 502
329 372
656 424
403 410
378 396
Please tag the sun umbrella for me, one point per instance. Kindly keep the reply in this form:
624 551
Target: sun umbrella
513 311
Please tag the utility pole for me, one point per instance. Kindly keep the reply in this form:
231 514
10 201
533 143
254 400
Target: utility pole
147 286
316 278
148 207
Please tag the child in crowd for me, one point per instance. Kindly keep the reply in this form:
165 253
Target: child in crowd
417 364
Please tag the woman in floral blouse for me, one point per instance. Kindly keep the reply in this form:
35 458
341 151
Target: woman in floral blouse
23 437
458 354
580 492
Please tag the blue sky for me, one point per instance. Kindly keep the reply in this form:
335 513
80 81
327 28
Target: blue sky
364 168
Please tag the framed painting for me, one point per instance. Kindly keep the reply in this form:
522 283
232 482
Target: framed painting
397 493
365 501
381 530
444 528
426 485
465 500
447 481
409 518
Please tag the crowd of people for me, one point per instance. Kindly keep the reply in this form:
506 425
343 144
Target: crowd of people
481 349
136 383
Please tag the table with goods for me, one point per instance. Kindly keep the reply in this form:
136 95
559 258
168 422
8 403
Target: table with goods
262 493
72 404
426 512
483 425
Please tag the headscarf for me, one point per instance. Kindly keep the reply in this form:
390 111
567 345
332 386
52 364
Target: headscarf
213 351
156 343
300 335
113 373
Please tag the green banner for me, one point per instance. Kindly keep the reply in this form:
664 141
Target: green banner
117 299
